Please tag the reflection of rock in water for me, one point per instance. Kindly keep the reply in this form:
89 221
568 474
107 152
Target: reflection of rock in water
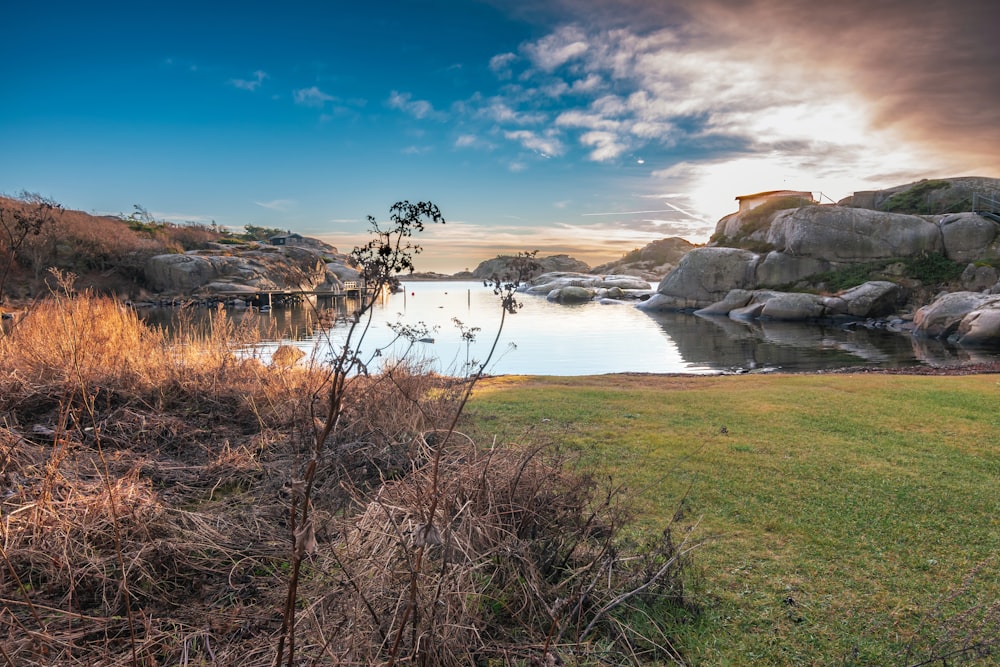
939 353
720 342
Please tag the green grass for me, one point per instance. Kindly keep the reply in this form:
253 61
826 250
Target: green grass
840 509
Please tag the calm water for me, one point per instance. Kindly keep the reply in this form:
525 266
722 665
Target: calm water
550 339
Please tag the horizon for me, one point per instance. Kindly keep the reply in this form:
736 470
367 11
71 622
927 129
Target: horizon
562 126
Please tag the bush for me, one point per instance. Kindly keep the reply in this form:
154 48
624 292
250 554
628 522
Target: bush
933 268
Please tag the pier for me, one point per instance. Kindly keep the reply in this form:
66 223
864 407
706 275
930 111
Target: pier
279 298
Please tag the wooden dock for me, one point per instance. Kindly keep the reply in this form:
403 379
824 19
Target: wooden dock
286 297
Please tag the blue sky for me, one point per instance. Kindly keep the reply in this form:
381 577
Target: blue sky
577 126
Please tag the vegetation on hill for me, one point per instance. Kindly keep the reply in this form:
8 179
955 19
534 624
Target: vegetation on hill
758 219
108 254
928 197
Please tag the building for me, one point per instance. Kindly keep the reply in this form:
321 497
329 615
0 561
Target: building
750 202
285 239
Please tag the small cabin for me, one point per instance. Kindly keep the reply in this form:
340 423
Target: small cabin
284 239
750 202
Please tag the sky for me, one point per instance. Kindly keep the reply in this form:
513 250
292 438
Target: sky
585 127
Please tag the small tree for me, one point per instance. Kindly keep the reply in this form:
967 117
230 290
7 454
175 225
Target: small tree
26 215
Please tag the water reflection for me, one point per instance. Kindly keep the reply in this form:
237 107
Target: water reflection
550 339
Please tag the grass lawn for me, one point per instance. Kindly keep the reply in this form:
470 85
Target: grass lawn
847 519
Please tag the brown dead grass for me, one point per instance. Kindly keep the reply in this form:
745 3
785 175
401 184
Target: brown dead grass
146 489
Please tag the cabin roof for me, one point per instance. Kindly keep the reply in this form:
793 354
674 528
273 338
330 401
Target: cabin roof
773 193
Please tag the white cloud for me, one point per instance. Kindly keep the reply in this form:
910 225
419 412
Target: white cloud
605 144
276 204
312 97
499 111
473 141
417 108
590 121
501 65
565 44
250 84
547 145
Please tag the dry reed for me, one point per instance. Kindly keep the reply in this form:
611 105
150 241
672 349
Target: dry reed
145 496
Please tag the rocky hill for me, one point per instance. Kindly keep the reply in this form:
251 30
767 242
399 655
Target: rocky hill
785 260
651 262
503 265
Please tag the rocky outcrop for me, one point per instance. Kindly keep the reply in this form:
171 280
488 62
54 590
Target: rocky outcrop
704 276
651 262
507 265
961 318
873 299
260 267
851 235
572 287
926 197
798 246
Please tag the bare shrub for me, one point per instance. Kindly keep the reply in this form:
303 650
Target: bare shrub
184 503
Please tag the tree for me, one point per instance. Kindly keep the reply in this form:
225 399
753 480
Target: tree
21 217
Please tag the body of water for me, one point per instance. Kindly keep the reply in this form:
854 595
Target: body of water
545 338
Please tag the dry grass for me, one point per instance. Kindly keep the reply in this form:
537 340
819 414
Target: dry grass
147 492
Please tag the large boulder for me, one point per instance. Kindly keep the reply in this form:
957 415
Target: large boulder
842 234
875 298
942 318
704 276
570 294
968 237
980 327
793 306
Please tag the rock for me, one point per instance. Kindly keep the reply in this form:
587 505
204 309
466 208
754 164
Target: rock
547 282
842 234
651 262
979 278
507 264
259 267
874 298
968 236
705 276
793 306
751 311
979 327
941 318
736 298
779 268
925 197
571 294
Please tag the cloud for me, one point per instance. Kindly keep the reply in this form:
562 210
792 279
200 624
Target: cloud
250 84
499 111
417 108
417 150
606 145
500 65
551 52
276 204
311 97
547 145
